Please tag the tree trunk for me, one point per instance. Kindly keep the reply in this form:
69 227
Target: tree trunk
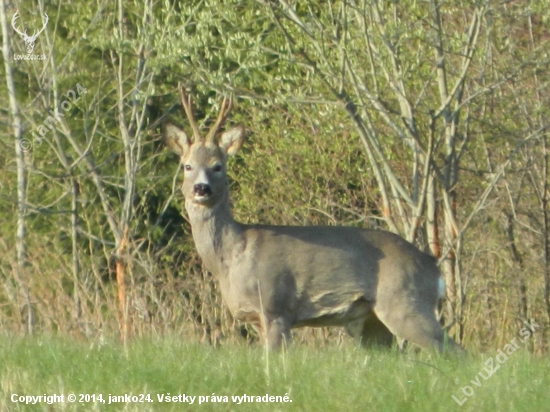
21 145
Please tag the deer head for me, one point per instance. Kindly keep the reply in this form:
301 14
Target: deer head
204 159
29 40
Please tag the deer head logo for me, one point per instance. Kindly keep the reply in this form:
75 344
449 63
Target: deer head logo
29 40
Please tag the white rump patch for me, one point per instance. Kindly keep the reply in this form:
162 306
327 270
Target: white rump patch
440 288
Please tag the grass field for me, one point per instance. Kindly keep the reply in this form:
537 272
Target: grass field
345 379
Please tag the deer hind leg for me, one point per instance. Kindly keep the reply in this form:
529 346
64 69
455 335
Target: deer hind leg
370 333
415 323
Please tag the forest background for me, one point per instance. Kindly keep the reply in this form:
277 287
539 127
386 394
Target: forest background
429 119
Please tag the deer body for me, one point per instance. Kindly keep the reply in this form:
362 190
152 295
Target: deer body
329 282
281 277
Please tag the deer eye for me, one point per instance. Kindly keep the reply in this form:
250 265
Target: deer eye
217 168
187 168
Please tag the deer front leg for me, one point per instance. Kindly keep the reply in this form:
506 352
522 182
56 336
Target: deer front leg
276 332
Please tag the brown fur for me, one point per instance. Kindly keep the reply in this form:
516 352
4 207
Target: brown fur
282 277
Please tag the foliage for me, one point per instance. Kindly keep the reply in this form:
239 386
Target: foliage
347 125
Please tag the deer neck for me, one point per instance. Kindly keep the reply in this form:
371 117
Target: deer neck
218 237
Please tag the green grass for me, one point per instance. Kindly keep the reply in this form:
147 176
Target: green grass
333 379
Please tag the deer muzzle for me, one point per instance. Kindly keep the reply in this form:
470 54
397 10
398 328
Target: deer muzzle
202 190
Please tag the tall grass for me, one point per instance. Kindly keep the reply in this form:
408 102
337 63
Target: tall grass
314 379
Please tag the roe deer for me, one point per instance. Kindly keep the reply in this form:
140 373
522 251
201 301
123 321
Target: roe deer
282 277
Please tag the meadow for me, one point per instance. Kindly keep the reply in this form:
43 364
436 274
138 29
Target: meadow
303 378
426 119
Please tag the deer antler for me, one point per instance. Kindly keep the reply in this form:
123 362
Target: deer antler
36 33
24 34
188 108
225 108
13 19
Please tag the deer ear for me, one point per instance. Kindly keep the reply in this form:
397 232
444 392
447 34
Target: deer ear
175 138
231 140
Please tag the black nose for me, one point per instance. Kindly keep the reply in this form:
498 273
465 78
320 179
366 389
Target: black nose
202 189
